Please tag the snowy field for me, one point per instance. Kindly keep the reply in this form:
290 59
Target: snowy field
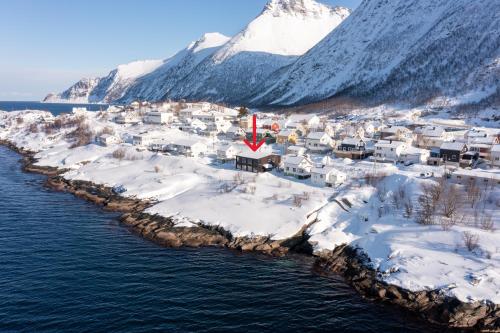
378 215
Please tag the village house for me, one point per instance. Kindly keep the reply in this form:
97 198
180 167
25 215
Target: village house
495 156
158 118
327 176
286 136
295 150
319 142
414 155
235 133
396 133
126 118
480 177
306 120
227 152
145 139
430 136
261 134
354 148
389 151
187 147
259 161
297 166
107 140
209 117
452 151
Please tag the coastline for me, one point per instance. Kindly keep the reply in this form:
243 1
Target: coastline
350 263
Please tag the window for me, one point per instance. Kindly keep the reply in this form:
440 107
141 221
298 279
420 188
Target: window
294 170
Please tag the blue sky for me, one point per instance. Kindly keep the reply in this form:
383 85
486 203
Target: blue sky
48 45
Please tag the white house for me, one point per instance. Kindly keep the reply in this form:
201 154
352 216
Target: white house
389 151
296 150
144 139
235 133
226 152
430 136
414 155
157 117
495 155
308 120
319 142
481 177
297 166
126 118
188 147
398 133
209 117
107 139
327 176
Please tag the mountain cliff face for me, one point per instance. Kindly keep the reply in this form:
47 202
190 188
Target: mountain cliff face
77 93
282 32
155 85
398 50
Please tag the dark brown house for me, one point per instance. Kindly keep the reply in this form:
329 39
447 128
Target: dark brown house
452 151
257 161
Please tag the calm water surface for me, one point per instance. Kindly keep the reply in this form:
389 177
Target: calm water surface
55 108
65 265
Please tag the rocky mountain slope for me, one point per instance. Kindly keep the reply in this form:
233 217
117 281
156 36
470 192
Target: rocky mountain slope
398 50
77 93
155 85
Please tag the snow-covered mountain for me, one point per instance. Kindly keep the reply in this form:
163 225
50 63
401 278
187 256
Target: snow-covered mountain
398 50
77 93
115 84
284 30
220 68
155 85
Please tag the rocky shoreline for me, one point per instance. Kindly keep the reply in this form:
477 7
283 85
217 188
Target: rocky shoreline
432 305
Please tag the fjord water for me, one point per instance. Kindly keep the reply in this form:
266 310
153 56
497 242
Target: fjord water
55 108
66 265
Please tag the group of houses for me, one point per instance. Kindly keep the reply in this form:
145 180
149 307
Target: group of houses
292 140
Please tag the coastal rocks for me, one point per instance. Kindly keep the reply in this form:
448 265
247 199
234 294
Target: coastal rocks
163 231
432 305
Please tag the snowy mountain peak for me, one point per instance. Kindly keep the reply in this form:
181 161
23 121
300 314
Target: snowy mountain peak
286 28
301 7
208 40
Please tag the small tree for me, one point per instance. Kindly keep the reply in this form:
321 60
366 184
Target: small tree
449 202
157 169
471 240
119 154
242 112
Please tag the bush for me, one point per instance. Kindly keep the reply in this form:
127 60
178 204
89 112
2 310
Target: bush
33 128
81 136
471 240
119 154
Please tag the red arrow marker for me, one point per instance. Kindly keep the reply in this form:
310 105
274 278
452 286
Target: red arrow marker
254 145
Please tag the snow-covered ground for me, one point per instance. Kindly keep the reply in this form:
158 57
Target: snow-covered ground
359 213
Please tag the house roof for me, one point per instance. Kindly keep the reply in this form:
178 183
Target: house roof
295 160
432 131
352 141
389 144
316 135
394 129
452 145
493 174
248 153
